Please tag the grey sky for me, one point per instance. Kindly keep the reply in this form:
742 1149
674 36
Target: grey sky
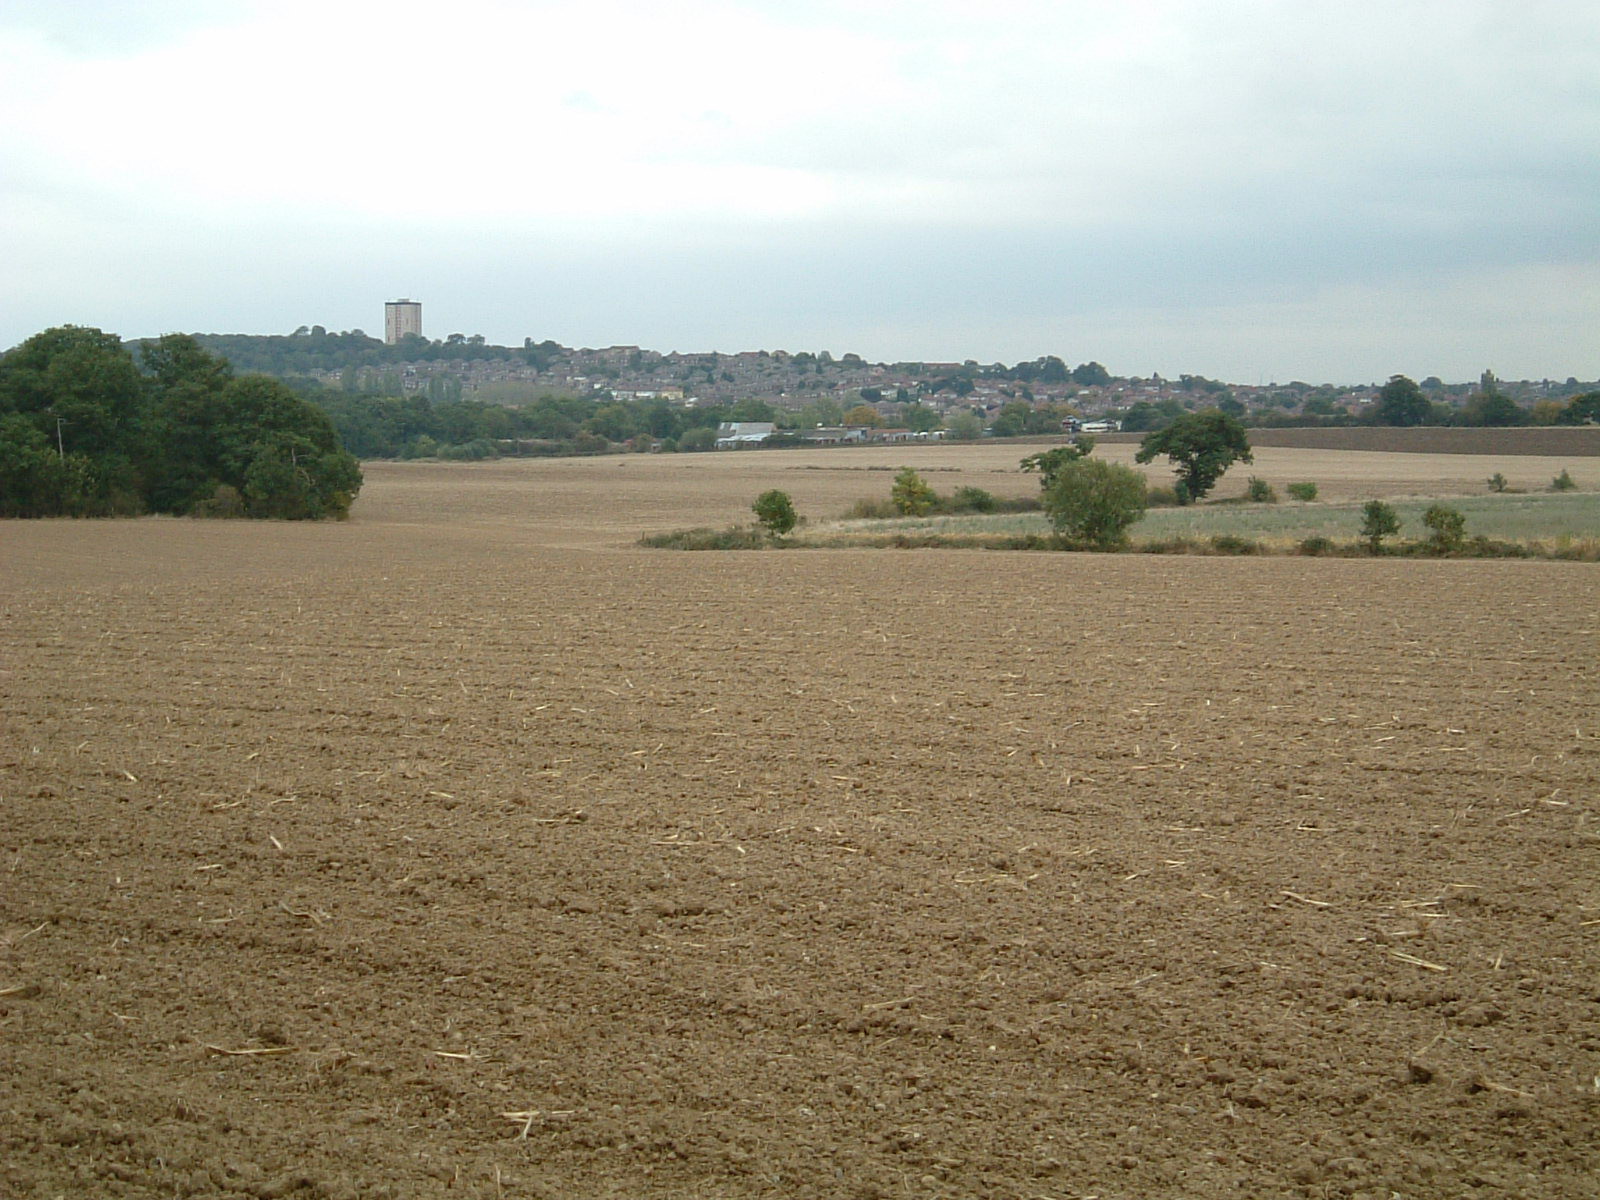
1250 189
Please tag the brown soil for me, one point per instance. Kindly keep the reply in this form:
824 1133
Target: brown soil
466 850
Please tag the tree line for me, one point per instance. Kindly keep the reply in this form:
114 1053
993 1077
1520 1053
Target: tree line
88 429
415 426
1403 403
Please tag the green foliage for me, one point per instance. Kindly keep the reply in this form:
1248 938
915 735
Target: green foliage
1315 546
701 438
1497 482
918 417
1049 462
35 481
775 511
1492 407
1378 521
1305 492
1259 491
1446 528
872 510
1232 543
912 494
1201 446
1563 482
1401 402
973 499
964 426
1166 497
166 440
735 537
1092 502
1582 410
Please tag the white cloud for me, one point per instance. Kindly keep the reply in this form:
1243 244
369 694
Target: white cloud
1019 163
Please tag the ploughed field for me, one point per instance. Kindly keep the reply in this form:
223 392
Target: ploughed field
465 849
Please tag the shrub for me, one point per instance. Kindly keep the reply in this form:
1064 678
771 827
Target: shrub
1378 521
1232 543
735 537
972 499
1092 502
1259 491
1563 482
1049 462
775 511
1178 544
1316 545
1306 492
1446 526
225 501
1164 497
701 437
911 493
1497 482
871 510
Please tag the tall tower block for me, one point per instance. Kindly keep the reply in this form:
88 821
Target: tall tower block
401 317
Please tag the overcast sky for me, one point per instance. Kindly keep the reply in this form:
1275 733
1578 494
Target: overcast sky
1254 190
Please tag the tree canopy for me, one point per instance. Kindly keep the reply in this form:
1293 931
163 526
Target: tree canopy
1401 402
84 431
1200 446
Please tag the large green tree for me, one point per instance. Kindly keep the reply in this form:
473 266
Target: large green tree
163 440
1582 410
1401 402
1200 446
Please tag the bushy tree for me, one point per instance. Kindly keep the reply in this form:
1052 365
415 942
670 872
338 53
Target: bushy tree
1446 528
911 493
1582 410
1200 446
1260 491
35 480
1050 462
1378 521
964 426
1492 409
1091 502
1401 402
165 440
973 499
775 511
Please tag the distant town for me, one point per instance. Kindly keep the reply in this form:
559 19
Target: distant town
649 399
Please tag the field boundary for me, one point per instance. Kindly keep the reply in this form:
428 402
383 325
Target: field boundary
1544 441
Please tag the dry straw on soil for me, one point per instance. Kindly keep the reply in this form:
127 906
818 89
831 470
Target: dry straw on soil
464 849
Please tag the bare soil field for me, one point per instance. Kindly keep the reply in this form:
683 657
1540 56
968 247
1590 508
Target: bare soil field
465 849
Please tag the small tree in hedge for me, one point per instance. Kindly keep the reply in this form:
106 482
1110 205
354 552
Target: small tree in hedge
1049 462
911 493
1378 521
1092 502
776 512
1260 491
1446 528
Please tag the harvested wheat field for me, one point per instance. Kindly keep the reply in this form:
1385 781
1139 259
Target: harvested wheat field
467 850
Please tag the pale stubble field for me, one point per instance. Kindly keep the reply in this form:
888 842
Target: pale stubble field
466 849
